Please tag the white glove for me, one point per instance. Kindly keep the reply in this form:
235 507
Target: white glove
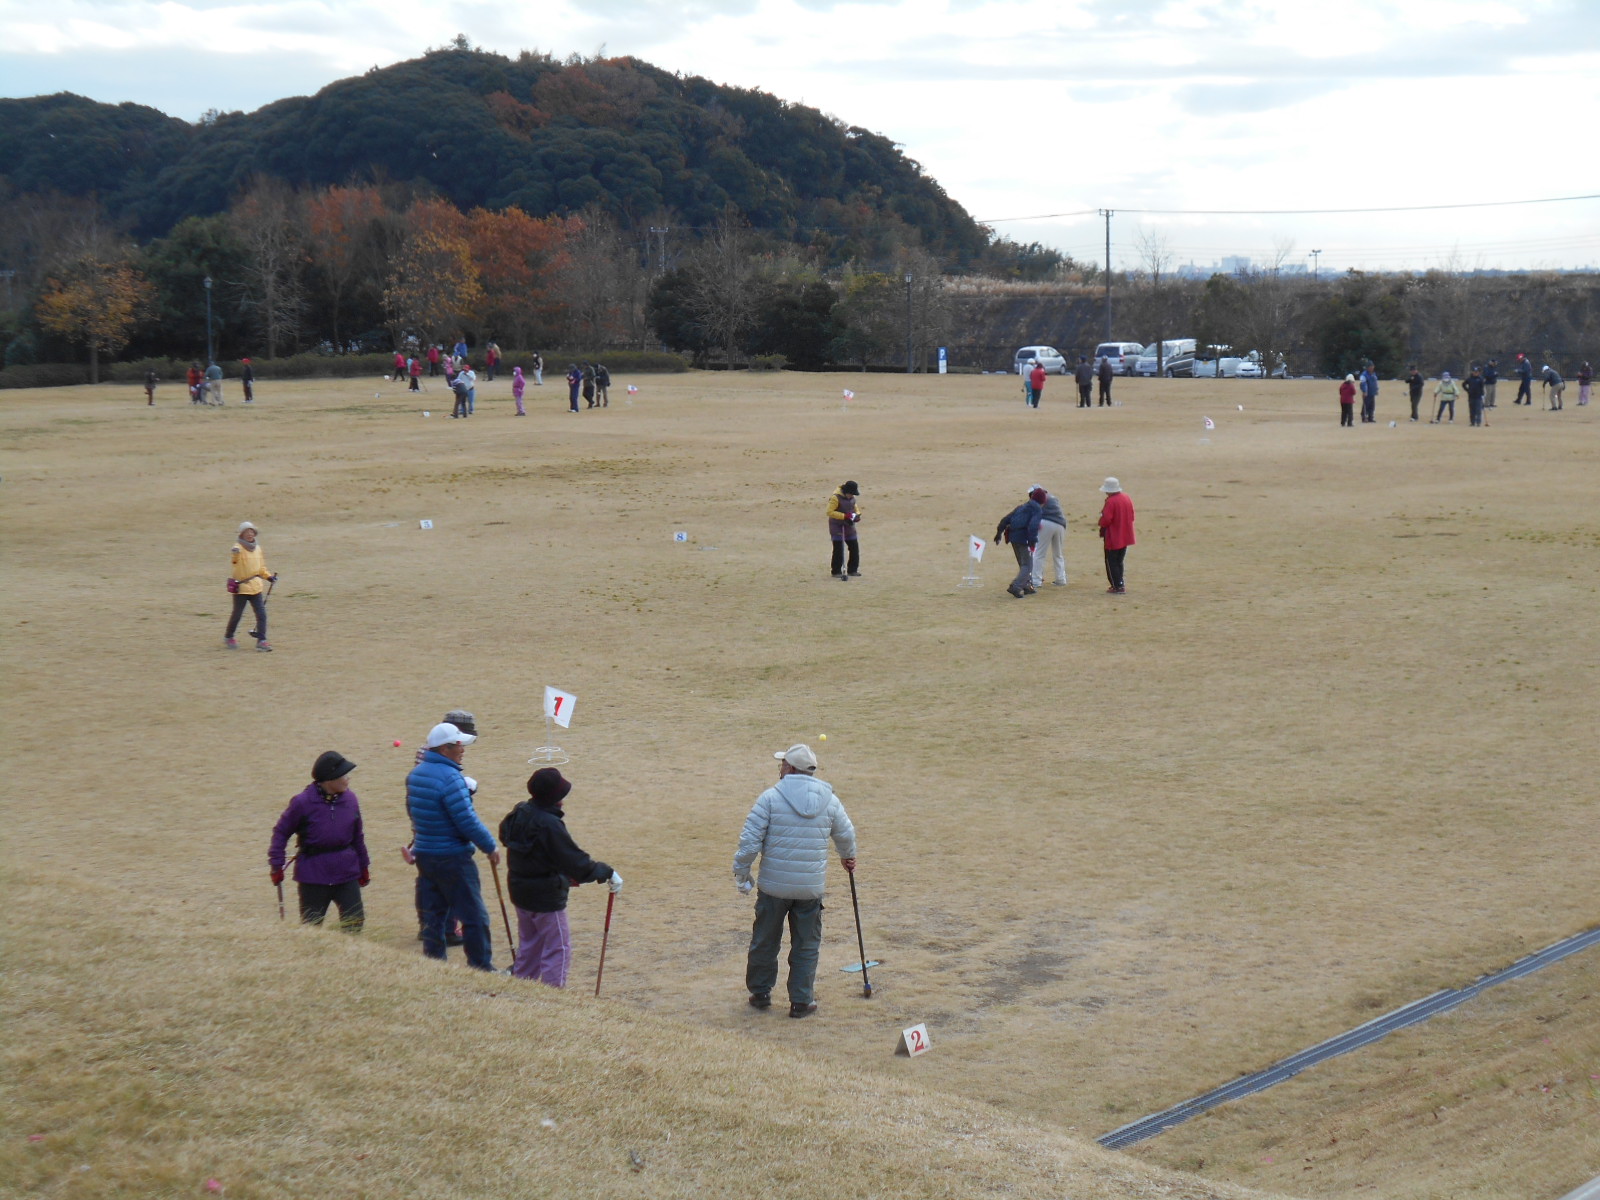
746 886
472 784
614 883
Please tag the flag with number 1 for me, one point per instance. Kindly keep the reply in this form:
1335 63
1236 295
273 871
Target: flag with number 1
558 706
975 545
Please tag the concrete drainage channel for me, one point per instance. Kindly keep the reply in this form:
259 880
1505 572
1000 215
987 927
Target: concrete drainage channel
1362 1035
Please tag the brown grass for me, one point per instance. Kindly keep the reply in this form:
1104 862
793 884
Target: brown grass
1319 761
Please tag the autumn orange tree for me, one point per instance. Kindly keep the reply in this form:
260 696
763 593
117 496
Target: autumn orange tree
95 301
520 260
433 282
340 224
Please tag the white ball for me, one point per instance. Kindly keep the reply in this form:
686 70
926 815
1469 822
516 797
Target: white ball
427 414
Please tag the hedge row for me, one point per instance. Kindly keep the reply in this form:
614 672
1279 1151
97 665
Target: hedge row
308 366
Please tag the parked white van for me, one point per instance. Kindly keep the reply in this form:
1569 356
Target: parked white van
1048 357
1177 358
1121 354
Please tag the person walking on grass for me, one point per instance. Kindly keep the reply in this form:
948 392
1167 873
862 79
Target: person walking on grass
1369 394
574 382
467 723
248 583
433 360
542 863
1052 548
1105 374
790 827
844 514
150 388
587 375
445 828
458 388
491 354
1027 382
1585 379
1020 527
538 369
1036 379
602 385
414 369
1414 385
196 384
1083 375
519 385
1445 392
331 865
1347 402
1116 531
1491 377
1524 381
1472 385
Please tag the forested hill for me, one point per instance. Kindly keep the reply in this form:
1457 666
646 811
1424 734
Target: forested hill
484 130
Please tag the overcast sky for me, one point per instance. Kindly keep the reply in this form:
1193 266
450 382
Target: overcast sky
1019 108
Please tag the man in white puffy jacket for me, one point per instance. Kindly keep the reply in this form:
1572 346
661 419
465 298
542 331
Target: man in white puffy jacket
790 827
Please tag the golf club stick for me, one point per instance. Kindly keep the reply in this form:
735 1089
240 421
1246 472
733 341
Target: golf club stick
511 945
866 983
611 902
279 886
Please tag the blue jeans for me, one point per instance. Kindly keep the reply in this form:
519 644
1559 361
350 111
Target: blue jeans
446 884
766 938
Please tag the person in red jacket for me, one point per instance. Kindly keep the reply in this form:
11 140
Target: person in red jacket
1116 530
1347 402
1036 381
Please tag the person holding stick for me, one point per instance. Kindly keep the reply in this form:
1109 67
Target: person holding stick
790 827
1116 532
444 829
332 865
247 583
542 863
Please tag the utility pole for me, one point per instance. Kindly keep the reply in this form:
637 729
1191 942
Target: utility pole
1316 263
908 323
1108 214
210 358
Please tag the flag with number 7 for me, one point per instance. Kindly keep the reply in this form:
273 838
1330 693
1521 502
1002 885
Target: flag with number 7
558 706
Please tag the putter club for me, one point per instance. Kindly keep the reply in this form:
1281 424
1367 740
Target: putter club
511 946
605 938
281 917
855 903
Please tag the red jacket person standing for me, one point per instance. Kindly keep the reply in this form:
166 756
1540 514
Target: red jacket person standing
1116 529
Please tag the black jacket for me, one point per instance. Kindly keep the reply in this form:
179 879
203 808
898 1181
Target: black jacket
541 857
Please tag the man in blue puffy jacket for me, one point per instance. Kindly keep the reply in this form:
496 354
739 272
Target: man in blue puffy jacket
1020 527
790 827
444 829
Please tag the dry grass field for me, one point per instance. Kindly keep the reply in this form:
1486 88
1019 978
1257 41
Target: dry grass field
1333 751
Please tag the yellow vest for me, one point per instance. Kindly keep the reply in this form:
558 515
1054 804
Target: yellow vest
250 569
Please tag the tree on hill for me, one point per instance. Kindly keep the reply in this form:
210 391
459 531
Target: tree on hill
341 232
95 301
433 286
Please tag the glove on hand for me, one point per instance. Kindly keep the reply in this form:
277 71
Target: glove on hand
366 878
472 784
614 883
746 886
277 875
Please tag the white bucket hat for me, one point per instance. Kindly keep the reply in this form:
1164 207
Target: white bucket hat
1110 485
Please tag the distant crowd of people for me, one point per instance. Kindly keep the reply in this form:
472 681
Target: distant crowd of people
1479 387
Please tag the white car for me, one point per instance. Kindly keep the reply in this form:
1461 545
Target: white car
1248 368
1048 357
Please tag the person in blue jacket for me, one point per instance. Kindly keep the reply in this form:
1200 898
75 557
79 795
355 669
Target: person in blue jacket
1524 381
1020 527
445 829
1369 394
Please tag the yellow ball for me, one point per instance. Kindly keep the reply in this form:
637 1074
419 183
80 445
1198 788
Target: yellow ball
822 737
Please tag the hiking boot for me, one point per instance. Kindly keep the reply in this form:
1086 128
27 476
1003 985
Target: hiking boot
760 999
802 1010
264 647
229 644
1016 591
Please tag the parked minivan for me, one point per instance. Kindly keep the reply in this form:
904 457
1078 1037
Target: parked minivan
1121 354
1177 358
1048 357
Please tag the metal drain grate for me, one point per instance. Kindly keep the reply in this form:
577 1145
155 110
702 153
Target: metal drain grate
1354 1039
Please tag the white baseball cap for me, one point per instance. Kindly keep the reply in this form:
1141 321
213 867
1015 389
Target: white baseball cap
446 734
798 756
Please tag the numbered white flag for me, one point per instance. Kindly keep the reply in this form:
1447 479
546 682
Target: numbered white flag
558 706
848 394
632 391
1210 424
975 545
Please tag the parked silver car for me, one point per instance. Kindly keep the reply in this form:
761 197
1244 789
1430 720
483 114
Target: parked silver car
1177 358
1048 357
1121 354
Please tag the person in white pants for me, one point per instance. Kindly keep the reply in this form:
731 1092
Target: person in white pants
1052 538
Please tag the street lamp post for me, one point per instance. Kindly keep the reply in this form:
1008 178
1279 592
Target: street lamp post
1316 262
908 323
210 358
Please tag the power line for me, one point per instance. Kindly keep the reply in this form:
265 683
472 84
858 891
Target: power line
1295 212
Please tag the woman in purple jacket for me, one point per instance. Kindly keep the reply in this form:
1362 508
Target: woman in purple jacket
332 863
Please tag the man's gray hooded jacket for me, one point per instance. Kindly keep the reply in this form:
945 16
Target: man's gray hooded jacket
790 827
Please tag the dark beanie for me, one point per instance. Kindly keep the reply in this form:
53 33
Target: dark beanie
330 765
849 488
548 787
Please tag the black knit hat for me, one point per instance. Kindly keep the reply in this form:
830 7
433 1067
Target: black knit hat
548 787
331 765
849 488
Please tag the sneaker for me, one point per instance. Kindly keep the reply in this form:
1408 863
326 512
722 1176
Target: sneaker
1059 583
264 647
1029 591
855 574
229 644
802 1010
452 939
1116 591
1016 591
760 999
